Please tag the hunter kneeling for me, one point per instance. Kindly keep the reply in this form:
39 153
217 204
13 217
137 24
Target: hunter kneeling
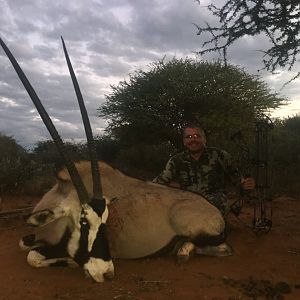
203 170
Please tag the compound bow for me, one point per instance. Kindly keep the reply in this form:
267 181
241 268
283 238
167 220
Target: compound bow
260 198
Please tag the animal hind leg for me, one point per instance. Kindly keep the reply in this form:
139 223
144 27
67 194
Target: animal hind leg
185 252
191 219
203 226
189 248
218 250
212 246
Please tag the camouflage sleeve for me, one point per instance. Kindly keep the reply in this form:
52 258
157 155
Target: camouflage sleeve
168 174
231 171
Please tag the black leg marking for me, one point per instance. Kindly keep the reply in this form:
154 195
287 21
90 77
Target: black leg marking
208 240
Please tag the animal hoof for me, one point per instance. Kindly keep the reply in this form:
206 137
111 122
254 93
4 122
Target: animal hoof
181 259
225 250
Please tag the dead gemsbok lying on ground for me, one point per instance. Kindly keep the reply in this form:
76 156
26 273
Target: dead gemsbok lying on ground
145 219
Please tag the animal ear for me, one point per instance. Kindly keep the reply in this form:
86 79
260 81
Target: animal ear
63 175
64 182
40 218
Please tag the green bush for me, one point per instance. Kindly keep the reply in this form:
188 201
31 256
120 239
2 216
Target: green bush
286 156
144 161
33 173
15 165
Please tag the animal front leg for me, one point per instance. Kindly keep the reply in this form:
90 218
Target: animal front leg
38 260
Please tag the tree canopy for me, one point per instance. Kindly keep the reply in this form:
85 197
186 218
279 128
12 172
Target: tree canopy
47 153
278 20
152 106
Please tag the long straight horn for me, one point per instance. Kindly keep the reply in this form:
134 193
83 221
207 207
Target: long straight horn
76 179
97 190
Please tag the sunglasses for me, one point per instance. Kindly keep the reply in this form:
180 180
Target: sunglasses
190 136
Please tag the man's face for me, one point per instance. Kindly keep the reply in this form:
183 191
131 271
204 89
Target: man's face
194 140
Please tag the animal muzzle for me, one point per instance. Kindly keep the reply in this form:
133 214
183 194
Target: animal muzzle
99 269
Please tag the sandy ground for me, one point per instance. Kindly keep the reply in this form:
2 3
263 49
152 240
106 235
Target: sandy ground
262 267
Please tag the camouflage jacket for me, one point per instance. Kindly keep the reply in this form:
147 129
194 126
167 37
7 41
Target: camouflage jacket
207 176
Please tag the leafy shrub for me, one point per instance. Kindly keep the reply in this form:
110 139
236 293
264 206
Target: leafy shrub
14 165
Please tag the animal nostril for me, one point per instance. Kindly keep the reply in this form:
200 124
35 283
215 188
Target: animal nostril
109 275
87 273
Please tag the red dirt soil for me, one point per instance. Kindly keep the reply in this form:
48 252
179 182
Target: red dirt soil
262 267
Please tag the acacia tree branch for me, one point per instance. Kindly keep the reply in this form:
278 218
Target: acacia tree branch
278 20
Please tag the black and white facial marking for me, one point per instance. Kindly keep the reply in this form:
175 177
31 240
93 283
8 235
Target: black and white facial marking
88 244
83 244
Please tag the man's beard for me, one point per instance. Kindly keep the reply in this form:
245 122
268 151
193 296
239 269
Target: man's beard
196 151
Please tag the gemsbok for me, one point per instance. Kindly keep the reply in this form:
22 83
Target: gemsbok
89 220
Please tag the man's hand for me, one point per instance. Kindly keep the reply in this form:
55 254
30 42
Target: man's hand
248 183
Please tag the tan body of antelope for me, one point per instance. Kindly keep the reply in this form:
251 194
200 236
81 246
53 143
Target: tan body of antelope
143 217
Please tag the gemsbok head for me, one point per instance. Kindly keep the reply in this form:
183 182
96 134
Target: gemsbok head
87 244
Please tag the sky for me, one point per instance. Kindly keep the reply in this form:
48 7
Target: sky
107 40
